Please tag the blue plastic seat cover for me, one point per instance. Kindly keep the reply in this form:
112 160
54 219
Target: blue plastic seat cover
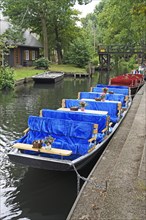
113 89
112 86
110 97
77 116
111 107
68 134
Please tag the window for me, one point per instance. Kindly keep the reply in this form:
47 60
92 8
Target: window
33 54
26 54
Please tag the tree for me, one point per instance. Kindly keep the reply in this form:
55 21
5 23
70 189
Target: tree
139 8
118 23
43 17
91 27
63 27
13 36
78 52
29 14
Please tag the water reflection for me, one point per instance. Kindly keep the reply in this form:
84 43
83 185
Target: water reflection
43 194
28 193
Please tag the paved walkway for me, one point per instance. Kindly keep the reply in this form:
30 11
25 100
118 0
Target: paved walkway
123 167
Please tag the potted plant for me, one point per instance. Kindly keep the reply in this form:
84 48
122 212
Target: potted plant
74 108
111 92
48 141
105 90
98 99
83 104
37 144
103 95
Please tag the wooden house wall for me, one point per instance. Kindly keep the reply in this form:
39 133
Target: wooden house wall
17 57
10 58
29 55
22 56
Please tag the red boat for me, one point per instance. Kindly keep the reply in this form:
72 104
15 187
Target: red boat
133 81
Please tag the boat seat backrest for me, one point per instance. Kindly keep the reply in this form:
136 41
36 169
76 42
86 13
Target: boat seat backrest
75 136
61 127
113 108
113 89
112 86
101 120
88 95
93 95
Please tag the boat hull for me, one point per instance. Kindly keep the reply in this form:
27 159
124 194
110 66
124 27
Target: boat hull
49 77
49 164
62 165
134 82
135 89
35 162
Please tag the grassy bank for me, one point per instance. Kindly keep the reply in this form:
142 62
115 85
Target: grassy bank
67 68
25 72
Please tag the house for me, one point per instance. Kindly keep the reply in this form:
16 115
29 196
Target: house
23 54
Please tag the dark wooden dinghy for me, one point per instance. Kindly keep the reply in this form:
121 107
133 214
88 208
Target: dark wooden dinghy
48 77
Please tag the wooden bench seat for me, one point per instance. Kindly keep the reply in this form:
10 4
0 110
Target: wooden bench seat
30 147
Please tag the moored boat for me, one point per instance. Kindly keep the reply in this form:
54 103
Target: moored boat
78 136
133 81
48 77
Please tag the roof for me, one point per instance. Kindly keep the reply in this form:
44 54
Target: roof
30 40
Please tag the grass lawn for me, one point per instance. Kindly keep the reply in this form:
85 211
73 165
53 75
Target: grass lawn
25 72
66 68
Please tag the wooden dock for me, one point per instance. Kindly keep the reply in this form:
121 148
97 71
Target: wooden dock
77 75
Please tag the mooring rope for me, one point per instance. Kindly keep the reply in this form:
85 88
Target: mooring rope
96 185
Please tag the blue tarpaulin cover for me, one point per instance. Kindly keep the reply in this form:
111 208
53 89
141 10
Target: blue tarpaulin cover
77 116
68 134
113 89
93 95
112 86
111 107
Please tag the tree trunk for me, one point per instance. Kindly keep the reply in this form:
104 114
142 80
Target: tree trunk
45 36
58 47
59 54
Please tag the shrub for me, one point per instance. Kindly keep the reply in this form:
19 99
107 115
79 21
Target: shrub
95 61
127 66
78 53
42 63
6 78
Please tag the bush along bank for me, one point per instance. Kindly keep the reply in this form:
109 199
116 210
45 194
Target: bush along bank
6 78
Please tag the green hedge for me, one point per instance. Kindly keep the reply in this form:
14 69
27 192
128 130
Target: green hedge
6 78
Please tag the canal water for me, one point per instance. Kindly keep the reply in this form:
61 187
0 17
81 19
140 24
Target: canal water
27 193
